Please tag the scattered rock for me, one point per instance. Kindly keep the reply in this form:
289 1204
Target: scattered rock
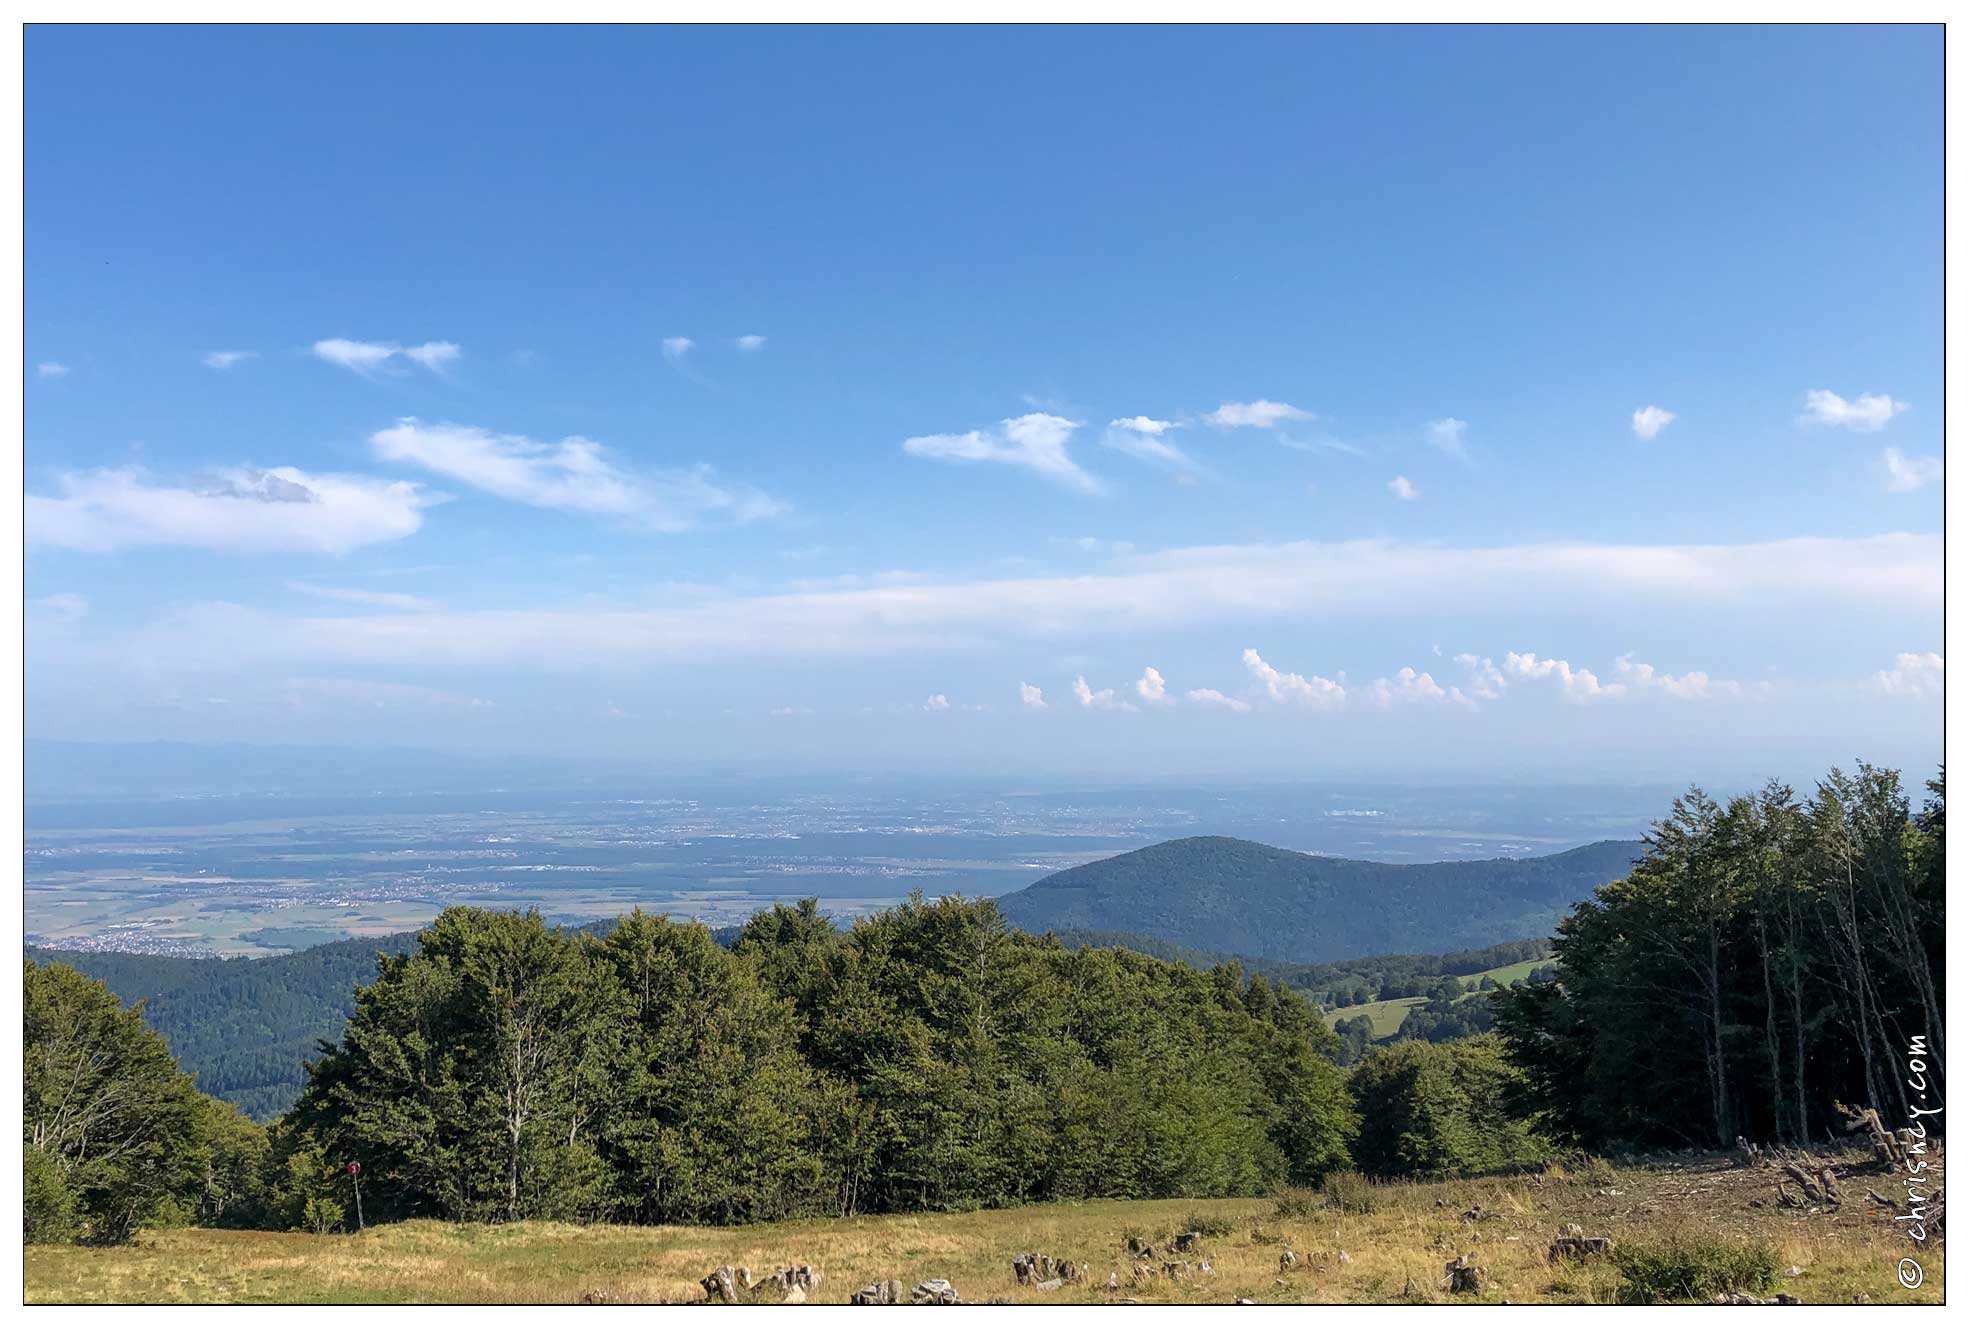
1245 1301
1286 1260
1793 1272
1185 1242
1574 1244
885 1293
1476 1213
1141 1246
1031 1269
1341 1257
1462 1276
794 1296
1114 1281
596 1296
804 1277
721 1284
934 1292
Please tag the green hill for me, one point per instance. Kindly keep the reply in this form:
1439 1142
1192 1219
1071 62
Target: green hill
1216 894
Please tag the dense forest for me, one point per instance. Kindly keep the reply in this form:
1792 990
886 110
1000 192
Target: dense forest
1236 897
1765 961
1769 958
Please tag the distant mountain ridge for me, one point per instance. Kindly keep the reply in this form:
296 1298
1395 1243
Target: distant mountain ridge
1218 894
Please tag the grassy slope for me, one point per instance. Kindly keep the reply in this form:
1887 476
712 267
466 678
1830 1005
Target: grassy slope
1401 1245
1387 1016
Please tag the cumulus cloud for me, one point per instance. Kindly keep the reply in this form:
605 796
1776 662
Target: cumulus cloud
1210 697
1915 674
1104 700
1486 680
1578 684
1906 474
1260 414
1446 437
1145 439
1150 687
237 510
937 702
227 359
1036 442
574 475
1692 686
751 341
1408 685
1651 420
51 369
1404 489
1866 413
1032 698
369 358
1292 688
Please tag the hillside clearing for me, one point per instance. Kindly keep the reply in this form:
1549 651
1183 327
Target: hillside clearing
1397 1250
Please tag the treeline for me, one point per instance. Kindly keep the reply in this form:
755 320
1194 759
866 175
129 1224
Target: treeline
1769 958
930 1057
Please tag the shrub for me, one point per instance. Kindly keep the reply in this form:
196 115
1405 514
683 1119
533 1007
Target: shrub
320 1215
1437 1109
1349 1193
49 1210
1297 1202
1687 1267
1207 1226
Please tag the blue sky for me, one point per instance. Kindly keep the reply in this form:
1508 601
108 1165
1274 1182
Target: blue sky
809 395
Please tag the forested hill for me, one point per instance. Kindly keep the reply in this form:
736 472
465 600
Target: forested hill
244 1028
1217 894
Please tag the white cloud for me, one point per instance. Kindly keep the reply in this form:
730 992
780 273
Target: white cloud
1446 437
1104 700
1031 697
1035 442
1906 474
372 357
1915 674
433 355
1867 412
1150 687
1651 420
573 475
381 695
1143 439
1210 697
1260 414
751 341
1094 544
1408 685
238 510
783 711
937 702
1402 488
1578 684
1692 686
1486 681
1314 691
227 359
1179 588
51 369
675 348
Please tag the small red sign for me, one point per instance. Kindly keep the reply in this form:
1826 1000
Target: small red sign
354 1168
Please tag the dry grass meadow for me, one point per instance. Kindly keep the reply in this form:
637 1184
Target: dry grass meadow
1397 1239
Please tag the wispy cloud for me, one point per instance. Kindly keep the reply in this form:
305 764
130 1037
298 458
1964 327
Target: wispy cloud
1215 700
1866 413
1651 420
239 510
1915 674
227 359
357 596
1322 693
1404 489
1906 474
1036 442
676 348
51 369
574 475
1146 439
751 341
1260 414
1446 437
66 606
370 358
